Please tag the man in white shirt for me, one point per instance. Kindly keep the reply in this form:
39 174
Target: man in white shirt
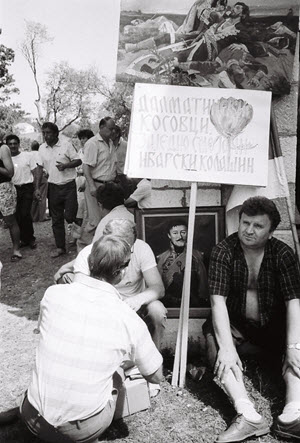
99 167
141 197
86 333
59 159
24 164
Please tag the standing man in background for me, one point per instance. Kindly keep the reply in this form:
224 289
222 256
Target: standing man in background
99 167
59 158
24 164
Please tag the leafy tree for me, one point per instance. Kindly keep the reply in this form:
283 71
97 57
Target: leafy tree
69 94
118 102
36 35
10 113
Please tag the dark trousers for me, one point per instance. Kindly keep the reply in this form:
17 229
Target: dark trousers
23 212
63 206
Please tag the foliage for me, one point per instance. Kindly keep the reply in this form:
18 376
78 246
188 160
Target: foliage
118 102
68 94
35 36
10 113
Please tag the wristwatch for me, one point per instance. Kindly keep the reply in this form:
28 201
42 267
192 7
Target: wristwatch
294 346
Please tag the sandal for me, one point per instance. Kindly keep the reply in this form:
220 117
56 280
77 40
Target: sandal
15 257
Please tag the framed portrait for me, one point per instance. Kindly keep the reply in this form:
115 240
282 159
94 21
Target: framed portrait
165 230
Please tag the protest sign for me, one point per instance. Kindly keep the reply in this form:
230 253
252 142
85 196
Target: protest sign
199 134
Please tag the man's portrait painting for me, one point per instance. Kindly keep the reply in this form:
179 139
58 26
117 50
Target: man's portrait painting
166 231
209 43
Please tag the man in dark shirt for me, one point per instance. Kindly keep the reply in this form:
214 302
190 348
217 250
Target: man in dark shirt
254 286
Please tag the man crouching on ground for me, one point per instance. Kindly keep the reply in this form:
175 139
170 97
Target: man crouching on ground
86 332
255 289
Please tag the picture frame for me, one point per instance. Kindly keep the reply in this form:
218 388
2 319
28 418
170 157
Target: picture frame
153 227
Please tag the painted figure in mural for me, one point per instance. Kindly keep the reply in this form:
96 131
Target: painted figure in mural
218 46
254 286
171 265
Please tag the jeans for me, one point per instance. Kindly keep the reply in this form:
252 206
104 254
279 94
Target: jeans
63 206
23 212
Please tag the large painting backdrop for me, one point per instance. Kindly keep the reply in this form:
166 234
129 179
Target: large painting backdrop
209 43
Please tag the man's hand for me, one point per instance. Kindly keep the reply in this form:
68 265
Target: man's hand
228 360
60 166
37 195
292 361
133 302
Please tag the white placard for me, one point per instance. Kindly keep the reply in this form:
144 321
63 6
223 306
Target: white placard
199 134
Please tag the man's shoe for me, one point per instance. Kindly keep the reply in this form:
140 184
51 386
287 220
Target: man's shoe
241 428
57 252
288 430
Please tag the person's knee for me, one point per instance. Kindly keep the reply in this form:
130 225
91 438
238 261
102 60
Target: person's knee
10 220
157 313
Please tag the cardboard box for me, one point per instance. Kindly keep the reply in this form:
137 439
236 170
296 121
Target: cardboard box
133 397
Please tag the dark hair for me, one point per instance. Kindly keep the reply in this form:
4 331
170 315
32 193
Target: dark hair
35 145
85 133
175 222
215 2
103 121
117 131
110 195
108 257
52 126
12 137
260 206
246 11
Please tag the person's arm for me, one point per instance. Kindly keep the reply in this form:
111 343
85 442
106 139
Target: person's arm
71 164
156 377
292 357
130 203
8 170
227 358
64 269
89 179
154 290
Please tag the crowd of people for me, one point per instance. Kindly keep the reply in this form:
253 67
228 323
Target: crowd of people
107 306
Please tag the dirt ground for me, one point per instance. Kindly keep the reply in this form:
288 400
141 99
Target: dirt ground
195 414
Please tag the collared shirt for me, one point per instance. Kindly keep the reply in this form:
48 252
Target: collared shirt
142 194
278 280
24 163
101 157
142 259
63 152
86 332
121 150
118 212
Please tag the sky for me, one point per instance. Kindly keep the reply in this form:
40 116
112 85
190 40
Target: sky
85 33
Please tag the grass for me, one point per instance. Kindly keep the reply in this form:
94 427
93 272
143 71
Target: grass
197 413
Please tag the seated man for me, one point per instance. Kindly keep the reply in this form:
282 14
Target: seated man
255 289
171 266
86 333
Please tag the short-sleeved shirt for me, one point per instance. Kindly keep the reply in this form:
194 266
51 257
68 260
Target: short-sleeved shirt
116 213
142 259
142 194
278 280
101 157
24 163
63 152
86 332
121 150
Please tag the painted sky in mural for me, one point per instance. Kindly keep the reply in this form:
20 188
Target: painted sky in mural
209 43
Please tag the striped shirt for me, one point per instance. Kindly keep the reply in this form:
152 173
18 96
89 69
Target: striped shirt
86 332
